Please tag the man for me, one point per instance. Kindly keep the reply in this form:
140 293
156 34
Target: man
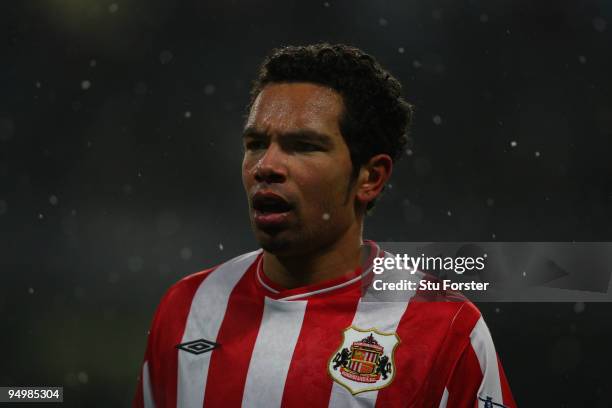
296 323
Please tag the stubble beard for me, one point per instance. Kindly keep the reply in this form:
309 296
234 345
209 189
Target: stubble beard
300 239
284 242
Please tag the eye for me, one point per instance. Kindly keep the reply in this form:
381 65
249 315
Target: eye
307 147
254 145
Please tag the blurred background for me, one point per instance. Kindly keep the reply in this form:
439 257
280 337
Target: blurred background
120 152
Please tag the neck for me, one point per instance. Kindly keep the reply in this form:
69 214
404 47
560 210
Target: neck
329 262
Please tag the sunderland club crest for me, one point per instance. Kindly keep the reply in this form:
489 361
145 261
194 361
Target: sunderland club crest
364 361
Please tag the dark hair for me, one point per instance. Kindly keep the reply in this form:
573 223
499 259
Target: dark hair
376 117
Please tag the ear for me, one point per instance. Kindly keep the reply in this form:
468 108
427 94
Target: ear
372 178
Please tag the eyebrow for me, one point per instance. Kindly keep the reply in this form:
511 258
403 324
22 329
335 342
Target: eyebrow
303 134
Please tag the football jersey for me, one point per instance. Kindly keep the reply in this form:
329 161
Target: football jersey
230 337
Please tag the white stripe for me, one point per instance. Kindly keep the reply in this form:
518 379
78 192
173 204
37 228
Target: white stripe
444 399
204 320
278 334
384 316
482 343
259 272
147 395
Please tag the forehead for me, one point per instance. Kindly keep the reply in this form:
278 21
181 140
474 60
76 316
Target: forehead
283 107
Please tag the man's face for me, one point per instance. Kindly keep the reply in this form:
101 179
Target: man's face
296 168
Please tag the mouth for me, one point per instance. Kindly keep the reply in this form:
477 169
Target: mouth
270 210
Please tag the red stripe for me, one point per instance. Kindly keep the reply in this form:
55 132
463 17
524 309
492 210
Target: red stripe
505 386
465 380
166 332
432 334
320 338
230 362
138 402
456 341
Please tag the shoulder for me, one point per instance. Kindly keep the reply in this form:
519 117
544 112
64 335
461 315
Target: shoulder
429 303
449 309
187 285
181 293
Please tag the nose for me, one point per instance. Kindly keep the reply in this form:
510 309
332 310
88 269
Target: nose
271 167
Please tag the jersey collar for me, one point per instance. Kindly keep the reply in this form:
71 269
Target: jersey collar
354 278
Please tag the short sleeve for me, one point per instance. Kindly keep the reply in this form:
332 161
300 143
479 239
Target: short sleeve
478 379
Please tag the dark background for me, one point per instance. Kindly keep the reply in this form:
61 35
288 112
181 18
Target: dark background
120 157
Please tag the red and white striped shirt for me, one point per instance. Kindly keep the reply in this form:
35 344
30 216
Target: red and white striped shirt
244 341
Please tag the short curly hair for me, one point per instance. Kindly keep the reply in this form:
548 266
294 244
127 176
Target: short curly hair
376 118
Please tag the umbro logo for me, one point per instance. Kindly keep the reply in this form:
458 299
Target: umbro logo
198 346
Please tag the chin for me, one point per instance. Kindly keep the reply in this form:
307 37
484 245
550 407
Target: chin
277 247
274 243
278 244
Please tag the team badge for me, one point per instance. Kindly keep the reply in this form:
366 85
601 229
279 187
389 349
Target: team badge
364 361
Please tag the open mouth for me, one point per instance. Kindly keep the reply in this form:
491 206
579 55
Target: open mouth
271 210
270 204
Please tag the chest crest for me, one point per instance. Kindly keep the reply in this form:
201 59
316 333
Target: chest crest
365 360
